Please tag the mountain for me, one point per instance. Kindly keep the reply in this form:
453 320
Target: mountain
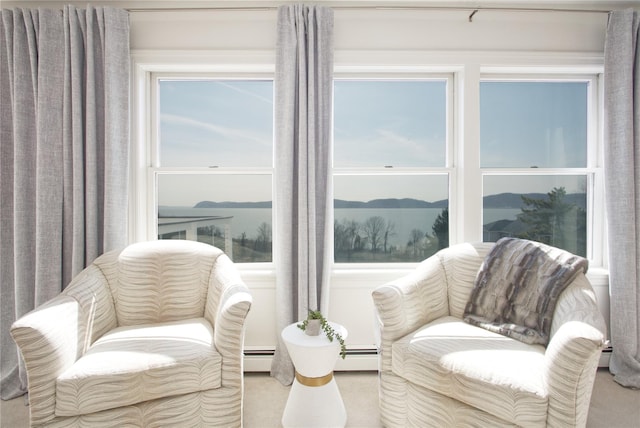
227 204
509 200
502 200
514 200
384 203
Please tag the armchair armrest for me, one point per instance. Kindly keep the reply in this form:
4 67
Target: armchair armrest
412 300
571 363
408 303
50 339
232 313
572 355
228 303
53 336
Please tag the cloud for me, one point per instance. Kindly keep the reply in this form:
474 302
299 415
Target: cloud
245 92
227 132
387 147
407 143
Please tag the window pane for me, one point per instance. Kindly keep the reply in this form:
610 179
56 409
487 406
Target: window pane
533 124
390 123
231 212
388 218
207 123
548 209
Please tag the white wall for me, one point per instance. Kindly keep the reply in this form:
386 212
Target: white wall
368 29
388 38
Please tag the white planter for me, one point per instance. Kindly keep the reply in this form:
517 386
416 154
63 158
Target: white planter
313 328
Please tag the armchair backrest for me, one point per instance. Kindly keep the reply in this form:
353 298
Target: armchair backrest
159 281
461 263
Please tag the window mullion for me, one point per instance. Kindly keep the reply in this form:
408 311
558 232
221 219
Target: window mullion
467 197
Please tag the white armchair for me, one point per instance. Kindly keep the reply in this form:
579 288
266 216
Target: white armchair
436 370
148 336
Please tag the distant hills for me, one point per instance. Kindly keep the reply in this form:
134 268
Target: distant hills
502 200
514 200
389 203
210 204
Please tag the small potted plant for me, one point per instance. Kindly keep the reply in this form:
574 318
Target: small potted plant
316 321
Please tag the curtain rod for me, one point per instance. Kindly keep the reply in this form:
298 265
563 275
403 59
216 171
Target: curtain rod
471 9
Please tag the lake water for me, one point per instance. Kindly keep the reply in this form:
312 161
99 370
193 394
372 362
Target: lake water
405 220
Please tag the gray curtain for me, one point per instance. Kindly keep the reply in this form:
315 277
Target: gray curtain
622 178
303 100
64 147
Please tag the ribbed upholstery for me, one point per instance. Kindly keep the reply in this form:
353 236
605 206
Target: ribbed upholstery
436 370
155 285
177 350
148 336
480 364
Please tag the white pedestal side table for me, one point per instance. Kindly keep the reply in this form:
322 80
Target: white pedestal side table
314 399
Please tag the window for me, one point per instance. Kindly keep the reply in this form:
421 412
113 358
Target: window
523 163
534 146
391 183
214 163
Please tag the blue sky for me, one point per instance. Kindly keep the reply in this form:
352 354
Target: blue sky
223 123
377 123
533 124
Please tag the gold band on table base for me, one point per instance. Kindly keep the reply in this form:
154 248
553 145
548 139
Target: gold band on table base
314 381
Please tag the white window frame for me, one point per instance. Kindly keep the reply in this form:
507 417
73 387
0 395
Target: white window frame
465 174
147 68
594 168
156 169
413 74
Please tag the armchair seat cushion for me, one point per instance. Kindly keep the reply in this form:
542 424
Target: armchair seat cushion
131 364
483 369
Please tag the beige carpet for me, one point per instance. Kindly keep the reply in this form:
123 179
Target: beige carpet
612 406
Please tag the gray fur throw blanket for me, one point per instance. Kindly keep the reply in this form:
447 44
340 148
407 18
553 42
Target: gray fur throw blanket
517 288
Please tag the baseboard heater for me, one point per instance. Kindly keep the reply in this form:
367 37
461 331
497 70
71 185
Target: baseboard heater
259 360
271 352
259 352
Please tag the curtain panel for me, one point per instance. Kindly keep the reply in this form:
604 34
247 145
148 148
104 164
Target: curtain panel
622 186
304 221
64 150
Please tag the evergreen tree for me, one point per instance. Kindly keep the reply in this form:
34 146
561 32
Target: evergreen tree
441 228
547 220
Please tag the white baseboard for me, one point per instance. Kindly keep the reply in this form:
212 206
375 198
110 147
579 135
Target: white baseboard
604 358
257 363
363 362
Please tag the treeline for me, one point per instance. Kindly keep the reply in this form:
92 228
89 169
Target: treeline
371 240
552 218
246 249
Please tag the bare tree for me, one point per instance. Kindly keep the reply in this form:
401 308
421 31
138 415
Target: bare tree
264 236
389 231
345 234
374 228
416 236
341 240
